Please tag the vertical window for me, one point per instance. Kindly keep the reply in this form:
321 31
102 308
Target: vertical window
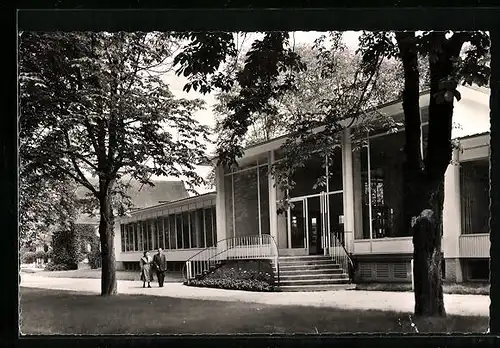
122 239
200 227
178 226
185 230
166 239
264 200
149 235
136 237
172 231
474 196
153 239
160 232
139 236
130 237
145 245
208 227
214 226
193 223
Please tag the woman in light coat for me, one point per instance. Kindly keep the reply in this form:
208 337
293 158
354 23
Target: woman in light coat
146 271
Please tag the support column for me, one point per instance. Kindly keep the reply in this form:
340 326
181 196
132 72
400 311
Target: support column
220 203
452 221
348 189
273 215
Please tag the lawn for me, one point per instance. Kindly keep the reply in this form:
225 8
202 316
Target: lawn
448 288
96 274
62 312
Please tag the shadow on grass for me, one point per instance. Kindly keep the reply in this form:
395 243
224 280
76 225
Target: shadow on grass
448 288
61 312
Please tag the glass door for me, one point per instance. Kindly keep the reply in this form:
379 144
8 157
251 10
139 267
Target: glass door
297 227
315 224
335 216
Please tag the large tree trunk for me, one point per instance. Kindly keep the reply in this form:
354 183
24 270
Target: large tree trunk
424 182
427 256
107 233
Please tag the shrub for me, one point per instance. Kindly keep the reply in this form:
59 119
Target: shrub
60 267
249 275
28 257
94 259
65 249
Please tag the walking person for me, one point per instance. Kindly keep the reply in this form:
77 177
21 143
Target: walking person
160 264
146 271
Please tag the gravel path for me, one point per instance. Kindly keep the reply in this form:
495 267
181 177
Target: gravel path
474 305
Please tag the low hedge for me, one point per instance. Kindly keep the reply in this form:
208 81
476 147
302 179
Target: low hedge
60 267
249 275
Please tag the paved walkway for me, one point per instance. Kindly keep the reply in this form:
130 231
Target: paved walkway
475 305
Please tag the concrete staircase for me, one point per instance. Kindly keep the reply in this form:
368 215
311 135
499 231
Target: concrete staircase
311 273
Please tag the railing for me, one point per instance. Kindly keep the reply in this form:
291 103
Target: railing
339 254
236 248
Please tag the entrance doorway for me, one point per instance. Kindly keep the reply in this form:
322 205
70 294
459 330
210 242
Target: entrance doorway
312 220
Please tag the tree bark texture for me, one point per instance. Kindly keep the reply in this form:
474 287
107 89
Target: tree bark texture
106 234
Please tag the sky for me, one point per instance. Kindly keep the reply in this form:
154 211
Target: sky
206 117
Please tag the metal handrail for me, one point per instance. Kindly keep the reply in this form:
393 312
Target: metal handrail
336 243
210 258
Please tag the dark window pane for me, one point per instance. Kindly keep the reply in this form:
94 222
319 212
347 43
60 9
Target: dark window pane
140 236
200 227
386 168
145 235
214 224
159 232
474 193
173 233
178 226
246 203
122 239
193 229
166 237
136 238
228 197
306 178
264 200
185 230
335 177
208 227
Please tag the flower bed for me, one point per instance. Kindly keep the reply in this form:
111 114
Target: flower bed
249 275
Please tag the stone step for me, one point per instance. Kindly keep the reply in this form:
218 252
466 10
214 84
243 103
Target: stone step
317 271
306 262
306 268
314 281
308 277
308 257
308 288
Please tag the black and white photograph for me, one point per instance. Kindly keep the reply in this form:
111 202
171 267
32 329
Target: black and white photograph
271 182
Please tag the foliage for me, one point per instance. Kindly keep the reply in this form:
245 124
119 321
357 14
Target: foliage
247 275
95 104
44 204
53 267
66 249
28 257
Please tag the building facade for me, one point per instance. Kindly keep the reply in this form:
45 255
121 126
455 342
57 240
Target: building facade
361 204
360 207
181 228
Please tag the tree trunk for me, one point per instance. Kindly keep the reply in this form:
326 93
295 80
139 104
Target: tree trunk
427 255
107 233
424 185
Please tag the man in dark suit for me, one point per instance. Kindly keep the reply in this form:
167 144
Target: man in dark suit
160 264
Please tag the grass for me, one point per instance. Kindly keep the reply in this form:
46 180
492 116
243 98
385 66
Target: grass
60 312
96 274
451 288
